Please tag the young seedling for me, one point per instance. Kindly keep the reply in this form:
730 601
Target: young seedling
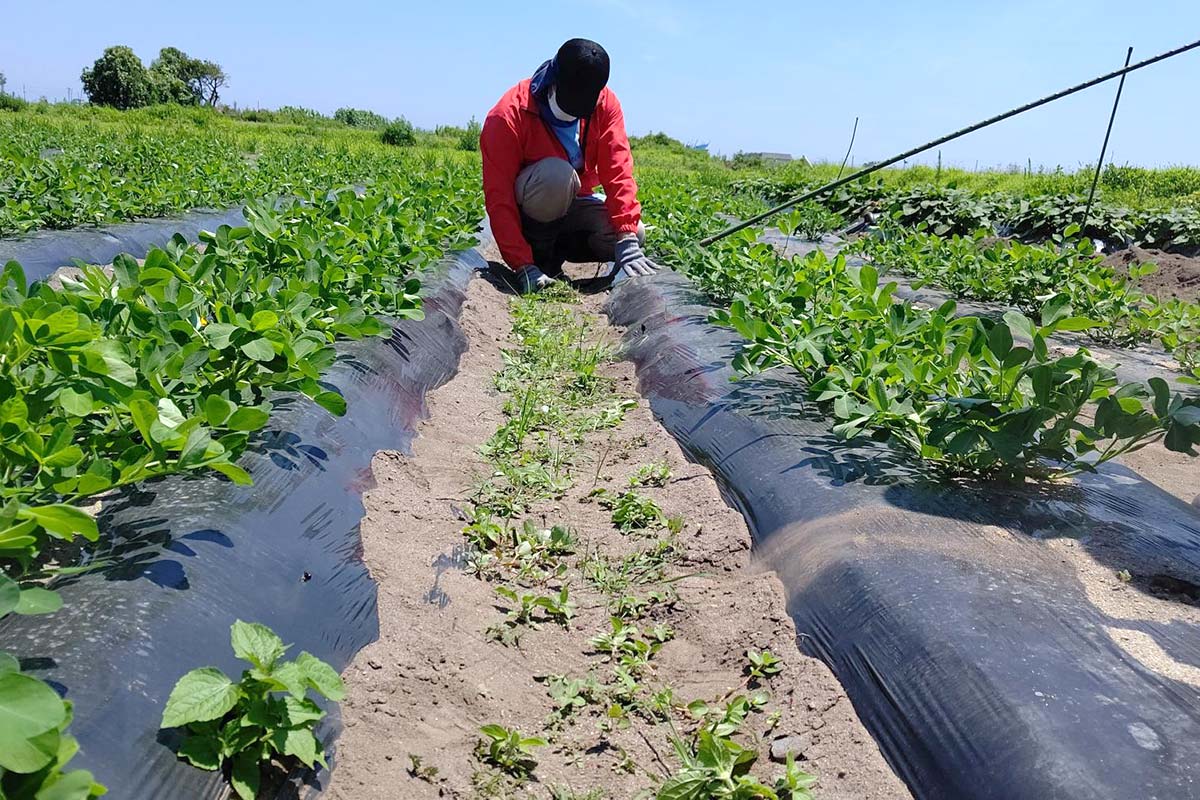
631 511
418 769
628 646
265 715
715 766
654 474
762 664
570 695
635 607
508 750
557 608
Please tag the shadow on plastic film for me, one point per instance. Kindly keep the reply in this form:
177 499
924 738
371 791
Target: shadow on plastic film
974 654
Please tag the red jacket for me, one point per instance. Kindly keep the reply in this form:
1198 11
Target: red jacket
515 135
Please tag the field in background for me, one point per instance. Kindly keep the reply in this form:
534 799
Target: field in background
65 165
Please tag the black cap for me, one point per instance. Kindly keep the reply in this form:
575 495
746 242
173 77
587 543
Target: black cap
582 75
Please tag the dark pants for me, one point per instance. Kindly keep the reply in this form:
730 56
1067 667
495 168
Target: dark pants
559 224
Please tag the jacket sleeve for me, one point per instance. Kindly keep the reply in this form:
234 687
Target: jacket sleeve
615 166
500 146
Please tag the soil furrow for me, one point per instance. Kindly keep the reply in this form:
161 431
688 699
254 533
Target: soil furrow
437 673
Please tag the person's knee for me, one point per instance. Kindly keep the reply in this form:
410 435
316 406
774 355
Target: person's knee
545 189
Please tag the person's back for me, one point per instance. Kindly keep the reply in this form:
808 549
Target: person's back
546 145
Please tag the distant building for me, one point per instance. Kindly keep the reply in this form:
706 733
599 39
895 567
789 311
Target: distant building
771 158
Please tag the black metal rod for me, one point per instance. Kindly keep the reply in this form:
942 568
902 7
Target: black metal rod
800 198
849 149
1087 211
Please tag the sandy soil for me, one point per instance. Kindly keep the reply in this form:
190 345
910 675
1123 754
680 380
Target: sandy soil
434 677
1177 275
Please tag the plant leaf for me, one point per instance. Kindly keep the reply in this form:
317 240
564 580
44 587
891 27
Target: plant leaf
37 600
691 785
202 751
322 677
298 742
256 643
246 775
62 520
201 695
247 419
332 402
259 350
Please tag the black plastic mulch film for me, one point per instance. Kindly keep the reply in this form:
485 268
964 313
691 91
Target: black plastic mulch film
192 554
41 253
968 647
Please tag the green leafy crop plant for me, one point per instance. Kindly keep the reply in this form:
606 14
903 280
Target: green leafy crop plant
508 750
1024 276
715 765
168 366
91 166
631 511
265 716
34 744
959 392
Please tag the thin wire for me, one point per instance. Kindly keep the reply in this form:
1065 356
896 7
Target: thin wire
1087 211
948 137
853 133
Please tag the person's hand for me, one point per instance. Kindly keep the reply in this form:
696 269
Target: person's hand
531 279
631 261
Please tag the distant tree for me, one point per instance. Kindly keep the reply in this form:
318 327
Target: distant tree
399 133
358 118
171 77
209 80
118 79
179 78
3 82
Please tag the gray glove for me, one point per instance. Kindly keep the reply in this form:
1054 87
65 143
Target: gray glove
531 279
631 261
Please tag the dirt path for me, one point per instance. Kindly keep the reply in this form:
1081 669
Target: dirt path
436 674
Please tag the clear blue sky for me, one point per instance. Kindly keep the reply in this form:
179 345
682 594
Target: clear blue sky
776 76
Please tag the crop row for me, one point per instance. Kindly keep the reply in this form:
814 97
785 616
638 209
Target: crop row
170 366
971 396
60 173
1021 275
950 211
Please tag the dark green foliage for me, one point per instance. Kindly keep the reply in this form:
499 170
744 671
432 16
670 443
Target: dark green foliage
118 79
469 139
359 118
399 133
9 102
171 76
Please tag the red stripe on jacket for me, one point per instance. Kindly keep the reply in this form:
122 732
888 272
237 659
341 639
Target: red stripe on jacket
515 136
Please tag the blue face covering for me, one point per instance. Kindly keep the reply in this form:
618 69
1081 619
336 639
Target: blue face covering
567 133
